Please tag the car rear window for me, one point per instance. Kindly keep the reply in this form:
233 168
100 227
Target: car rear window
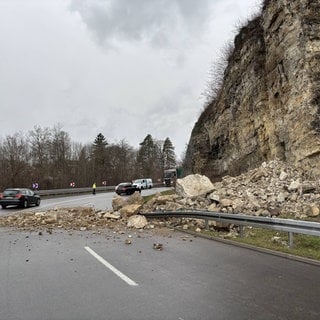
10 192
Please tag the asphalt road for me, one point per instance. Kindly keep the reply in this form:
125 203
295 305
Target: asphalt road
93 276
101 200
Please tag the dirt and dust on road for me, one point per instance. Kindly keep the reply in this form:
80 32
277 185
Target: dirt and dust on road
123 218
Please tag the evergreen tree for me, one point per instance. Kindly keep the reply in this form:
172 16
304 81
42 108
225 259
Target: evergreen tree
147 157
100 157
168 154
100 142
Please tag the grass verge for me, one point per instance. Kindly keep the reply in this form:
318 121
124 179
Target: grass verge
303 245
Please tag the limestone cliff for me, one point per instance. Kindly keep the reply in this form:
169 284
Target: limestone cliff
268 106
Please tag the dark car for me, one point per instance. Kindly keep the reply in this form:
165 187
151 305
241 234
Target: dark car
126 188
21 197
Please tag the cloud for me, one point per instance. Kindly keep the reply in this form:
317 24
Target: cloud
163 23
125 68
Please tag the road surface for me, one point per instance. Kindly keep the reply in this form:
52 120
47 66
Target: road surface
101 200
91 276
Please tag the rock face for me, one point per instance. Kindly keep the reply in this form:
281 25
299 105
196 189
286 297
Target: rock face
268 106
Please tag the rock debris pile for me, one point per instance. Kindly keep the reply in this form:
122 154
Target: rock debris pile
64 218
273 189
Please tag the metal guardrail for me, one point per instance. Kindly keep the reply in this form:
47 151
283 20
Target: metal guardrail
74 191
58 192
287 225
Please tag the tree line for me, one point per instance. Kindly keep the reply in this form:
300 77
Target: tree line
47 158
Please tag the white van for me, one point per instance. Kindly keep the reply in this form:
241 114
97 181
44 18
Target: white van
143 183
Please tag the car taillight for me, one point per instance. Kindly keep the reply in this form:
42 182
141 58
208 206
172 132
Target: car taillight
18 195
1 196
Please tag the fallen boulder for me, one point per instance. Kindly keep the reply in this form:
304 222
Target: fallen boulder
130 210
137 221
194 185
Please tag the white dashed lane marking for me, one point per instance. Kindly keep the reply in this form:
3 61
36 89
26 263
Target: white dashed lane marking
111 267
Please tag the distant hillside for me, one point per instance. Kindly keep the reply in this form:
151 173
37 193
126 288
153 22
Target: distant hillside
268 106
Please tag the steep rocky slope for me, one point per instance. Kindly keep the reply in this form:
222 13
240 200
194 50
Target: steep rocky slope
268 106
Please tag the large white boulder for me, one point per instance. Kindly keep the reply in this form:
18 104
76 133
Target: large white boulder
194 185
130 210
137 221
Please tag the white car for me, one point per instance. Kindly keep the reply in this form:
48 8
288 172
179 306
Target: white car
143 183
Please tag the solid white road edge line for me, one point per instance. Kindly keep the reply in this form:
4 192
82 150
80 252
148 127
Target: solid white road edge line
111 267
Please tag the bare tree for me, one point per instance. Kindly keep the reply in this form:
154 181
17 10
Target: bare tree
47 156
216 74
60 156
15 159
122 161
81 165
39 141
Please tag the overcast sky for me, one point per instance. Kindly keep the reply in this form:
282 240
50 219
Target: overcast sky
125 68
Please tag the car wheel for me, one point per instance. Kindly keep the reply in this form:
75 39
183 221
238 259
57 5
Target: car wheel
3 206
38 202
25 203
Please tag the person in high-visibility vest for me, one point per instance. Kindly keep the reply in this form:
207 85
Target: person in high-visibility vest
94 188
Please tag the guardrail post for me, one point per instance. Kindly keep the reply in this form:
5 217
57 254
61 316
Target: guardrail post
241 231
290 236
207 224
